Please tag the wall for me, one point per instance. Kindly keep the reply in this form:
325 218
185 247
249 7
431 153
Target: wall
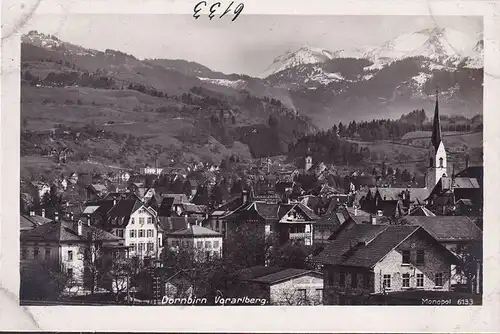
145 240
192 244
286 293
337 294
435 262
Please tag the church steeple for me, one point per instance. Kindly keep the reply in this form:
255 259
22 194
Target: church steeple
436 126
437 152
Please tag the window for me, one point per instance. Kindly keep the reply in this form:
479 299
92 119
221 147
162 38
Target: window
387 281
133 246
439 279
199 244
207 255
354 280
366 281
70 255
119 233
150 233
150 220
70 272
319 295
441 162
216 225
133 233
406 257
150 246
420 257
302 295
132 220
208 244
24 254
35 252
216 244
342 279
141 220
141 246
47 253
141 233
420 280
160 243
331 277
308 228
406 280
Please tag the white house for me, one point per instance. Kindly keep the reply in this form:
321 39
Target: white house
138 225
201 240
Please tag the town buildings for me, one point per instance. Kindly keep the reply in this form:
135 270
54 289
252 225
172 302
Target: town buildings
379 259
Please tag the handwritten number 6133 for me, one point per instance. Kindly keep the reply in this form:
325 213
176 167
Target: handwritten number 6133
214 9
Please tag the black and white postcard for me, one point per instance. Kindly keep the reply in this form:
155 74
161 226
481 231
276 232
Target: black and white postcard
210 165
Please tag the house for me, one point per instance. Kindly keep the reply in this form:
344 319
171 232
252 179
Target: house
204 242
68 246
279 286
372 260
31 221
283 221
393 202
449 190
218 219
96 191
462 237
138 225
37 189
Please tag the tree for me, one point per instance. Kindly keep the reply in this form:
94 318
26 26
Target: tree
406 176
290 255
469 270
186 189
52 202
248 246
43 281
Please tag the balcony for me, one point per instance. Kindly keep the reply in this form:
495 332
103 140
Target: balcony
300 235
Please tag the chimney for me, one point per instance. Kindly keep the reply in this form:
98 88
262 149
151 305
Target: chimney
373 220
114 201
32 213
43 213
56 216
355 211
88 220
245 196
79 228
72 216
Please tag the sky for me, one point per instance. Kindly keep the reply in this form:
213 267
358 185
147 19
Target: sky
246 46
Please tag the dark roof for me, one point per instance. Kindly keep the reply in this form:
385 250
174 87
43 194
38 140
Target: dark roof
364 245
63 231
124 208
176 223
436 126
26 224
165 209
273 275
447 228
474 172
103 206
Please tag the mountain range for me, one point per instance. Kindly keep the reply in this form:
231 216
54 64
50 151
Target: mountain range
305 90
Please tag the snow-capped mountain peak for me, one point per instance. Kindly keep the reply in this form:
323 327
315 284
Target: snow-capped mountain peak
304 55
444 45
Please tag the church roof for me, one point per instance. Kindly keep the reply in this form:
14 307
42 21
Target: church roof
436 126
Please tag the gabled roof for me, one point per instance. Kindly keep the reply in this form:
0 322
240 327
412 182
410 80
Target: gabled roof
421 211
459 183
447 228
195 231
98 188
26 224
366 245
124 208
274 275
63 231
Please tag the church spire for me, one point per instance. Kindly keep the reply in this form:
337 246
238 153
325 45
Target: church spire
436 127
